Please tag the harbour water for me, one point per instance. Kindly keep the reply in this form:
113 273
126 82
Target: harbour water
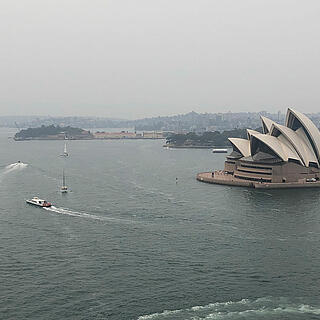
130 241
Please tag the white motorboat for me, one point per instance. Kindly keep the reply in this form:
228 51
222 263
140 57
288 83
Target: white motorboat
39 202
219 150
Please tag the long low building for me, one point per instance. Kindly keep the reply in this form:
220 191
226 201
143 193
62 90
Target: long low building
128 135
282 156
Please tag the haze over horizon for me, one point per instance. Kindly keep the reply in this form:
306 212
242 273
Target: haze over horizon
136 59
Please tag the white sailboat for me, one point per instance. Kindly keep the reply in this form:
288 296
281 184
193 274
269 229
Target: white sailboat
65 152
64 188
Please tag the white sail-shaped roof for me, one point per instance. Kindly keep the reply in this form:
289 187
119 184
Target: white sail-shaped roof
250 132
303 149
298 141
302 134
242 145
311 130
281 148
266 124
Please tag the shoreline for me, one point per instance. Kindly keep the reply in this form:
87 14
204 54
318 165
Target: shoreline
79 139
194 147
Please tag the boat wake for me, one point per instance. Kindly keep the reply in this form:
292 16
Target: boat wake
262 308
74 213
85 215
14 167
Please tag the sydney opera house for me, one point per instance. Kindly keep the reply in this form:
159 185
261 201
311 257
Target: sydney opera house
283 156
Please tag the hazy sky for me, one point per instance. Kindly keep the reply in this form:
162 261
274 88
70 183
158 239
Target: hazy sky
136 58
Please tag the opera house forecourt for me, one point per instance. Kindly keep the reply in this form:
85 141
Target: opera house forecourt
280 157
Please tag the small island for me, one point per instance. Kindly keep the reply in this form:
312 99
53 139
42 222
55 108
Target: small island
206 140
53 133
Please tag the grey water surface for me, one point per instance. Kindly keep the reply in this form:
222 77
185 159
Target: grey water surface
128 242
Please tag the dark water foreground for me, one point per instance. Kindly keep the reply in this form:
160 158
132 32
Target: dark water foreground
130 243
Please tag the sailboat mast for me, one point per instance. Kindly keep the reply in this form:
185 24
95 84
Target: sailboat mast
63 179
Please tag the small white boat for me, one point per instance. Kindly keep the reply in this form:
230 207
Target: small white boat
219 150
39 202
64 188
65 153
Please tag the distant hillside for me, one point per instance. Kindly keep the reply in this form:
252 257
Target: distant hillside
189 122
200 122
52 132
192 121
76 122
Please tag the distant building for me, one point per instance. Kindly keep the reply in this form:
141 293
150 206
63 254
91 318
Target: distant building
115 135
212 128
128 135
152 135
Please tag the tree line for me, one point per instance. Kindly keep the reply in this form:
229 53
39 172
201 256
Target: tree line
44 131
208 138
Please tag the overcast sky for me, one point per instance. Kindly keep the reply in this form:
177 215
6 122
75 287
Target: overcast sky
137 58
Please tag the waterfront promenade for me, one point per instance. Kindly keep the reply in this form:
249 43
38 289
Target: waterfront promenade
222 177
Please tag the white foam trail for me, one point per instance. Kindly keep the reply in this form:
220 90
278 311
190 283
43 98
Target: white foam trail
85 215
74 213
16 166
13 167
237 309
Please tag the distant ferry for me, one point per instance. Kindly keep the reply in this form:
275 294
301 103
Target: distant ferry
39 202
219 150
